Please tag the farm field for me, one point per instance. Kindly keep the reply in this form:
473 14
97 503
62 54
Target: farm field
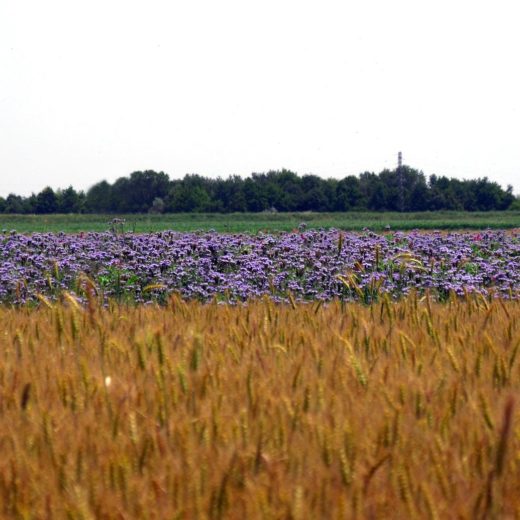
269 222
191 410
315 373
305 265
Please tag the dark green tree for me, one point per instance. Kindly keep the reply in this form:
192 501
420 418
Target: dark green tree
46 201
315 193
256 198
508 198
99 198
349 195
142 188
291 187
227 195
121 197
14 204
515 204
69 201
189 195
284 190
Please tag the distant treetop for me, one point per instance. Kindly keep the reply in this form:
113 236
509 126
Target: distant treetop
275 190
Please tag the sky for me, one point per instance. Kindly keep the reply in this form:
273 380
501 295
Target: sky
96 90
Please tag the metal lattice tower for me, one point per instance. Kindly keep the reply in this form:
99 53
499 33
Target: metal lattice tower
400 177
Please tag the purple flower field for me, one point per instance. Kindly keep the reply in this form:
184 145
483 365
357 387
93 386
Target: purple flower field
309 265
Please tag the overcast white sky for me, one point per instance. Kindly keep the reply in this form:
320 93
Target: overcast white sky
97 89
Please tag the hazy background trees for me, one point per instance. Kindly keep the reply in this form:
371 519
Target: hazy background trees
280 190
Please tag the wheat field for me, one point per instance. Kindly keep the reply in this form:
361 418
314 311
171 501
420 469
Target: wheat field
300 411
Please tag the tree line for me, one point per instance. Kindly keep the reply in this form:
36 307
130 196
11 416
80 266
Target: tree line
404 189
